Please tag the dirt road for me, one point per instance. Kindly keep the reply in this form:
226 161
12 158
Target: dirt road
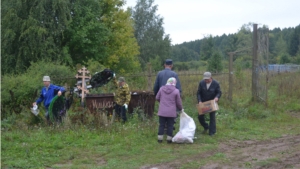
276 153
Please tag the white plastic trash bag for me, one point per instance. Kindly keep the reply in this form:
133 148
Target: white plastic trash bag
186 130
35 110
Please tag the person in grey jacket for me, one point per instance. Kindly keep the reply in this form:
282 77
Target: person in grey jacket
169 98
164 75
208 89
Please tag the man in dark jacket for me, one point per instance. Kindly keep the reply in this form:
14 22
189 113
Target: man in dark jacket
208 89
163 76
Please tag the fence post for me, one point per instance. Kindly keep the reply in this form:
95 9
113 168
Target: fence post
267 77
254 64
149 77
230 76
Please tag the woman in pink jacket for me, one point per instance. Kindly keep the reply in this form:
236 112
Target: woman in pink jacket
169 99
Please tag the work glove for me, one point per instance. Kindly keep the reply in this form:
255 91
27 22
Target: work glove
114 75
126 106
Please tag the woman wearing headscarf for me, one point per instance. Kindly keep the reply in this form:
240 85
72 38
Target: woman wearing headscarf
169 100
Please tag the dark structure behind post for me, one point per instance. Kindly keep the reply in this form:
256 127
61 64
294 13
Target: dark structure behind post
254 64
150 77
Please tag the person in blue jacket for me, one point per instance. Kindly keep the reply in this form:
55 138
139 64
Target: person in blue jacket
163 76
49 91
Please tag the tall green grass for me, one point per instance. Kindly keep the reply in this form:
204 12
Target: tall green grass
89 143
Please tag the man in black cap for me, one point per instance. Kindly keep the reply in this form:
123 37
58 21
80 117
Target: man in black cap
163 76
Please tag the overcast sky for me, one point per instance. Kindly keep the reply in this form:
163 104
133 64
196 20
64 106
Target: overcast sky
188 20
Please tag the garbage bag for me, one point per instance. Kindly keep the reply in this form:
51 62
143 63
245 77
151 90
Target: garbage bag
101 78
186 131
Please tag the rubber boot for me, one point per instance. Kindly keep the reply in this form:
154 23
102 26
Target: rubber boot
160 138
169 139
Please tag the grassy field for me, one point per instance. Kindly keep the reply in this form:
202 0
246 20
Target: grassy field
134 144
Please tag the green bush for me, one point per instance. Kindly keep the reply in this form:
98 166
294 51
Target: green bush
18 92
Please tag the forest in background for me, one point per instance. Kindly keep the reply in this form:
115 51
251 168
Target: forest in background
284 48
102 34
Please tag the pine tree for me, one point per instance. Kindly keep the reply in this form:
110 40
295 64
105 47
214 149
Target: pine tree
215 63
294 41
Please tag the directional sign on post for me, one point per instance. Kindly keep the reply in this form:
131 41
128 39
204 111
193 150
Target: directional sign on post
84 75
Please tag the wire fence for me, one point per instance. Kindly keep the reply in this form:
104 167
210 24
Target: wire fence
144 81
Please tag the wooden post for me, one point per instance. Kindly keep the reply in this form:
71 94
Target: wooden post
267 77
83 74
149 77
230 76
254 64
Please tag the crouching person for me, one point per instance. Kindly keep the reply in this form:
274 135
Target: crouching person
169 100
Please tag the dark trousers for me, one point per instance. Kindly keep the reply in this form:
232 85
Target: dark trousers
166 121
47 115
57 117
212 122
121 112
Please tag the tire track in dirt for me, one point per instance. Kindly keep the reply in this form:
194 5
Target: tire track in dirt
283 152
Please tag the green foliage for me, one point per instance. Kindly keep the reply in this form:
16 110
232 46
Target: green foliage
215 63
294 41
239 73
157 63
94 66
244 37
122 47
280 45
297 58
284 59
71 32
207 48
281 42
86 34
58 72
32 30
181 66
83 141
182 53
227 44
191 65
257 112
149 32
18 92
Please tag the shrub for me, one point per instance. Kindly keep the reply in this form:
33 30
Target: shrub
18 92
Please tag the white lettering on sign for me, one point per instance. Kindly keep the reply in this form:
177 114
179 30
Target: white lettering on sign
102 105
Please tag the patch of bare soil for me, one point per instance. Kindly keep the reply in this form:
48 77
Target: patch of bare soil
97 159
276 153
